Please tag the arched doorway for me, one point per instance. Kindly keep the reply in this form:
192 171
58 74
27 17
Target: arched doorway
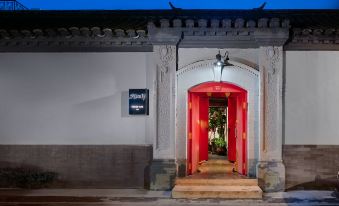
235 102
199 73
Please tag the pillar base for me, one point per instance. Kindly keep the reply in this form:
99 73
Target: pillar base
162 174
271 176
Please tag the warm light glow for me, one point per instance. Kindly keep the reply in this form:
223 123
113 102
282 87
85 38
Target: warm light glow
217 70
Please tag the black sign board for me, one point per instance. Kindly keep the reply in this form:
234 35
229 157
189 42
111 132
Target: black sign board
138 101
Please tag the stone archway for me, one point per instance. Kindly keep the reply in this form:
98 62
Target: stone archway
200 72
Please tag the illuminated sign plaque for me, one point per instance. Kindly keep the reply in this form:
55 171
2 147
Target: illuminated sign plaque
138 101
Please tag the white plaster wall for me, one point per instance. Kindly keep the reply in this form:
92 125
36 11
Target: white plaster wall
187 56
312 97
71 98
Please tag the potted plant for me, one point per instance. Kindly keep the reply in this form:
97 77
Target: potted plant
217 122
220 146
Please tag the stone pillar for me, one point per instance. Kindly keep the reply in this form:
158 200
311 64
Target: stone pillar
270 169
164 40
163 168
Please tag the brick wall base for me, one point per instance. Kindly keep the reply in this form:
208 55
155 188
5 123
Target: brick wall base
311 166
75 166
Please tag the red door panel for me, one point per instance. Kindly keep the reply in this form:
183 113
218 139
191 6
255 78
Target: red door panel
231 152
189 135
203 113
195 132
239 131
244 133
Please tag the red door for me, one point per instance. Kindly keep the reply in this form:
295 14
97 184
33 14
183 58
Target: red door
241 133
203 123
195 131
198 104
231 151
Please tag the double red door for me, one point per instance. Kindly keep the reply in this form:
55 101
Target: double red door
198 105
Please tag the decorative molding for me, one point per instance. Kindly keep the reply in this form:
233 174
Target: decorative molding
74 39
238 33
203 32
313 39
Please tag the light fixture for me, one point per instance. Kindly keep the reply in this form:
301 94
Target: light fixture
219 66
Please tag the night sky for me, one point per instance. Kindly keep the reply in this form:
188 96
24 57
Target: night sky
185 4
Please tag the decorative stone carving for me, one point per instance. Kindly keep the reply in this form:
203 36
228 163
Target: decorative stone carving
271 172
119 32
166 67
166 55
273 56
275 23
250 24
262 23
96 32
164 23
74 31
189 23
239 23
202 23
214 23
177 23
226 23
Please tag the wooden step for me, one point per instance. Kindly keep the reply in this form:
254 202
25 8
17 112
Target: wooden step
227 192
215 182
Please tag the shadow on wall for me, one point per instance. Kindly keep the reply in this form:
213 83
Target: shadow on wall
75 166
124 104
331 183
26 176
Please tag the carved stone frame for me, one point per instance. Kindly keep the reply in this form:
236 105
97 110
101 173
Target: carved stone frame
269 41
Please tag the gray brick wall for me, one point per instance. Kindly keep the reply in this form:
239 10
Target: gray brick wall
308 163
83 166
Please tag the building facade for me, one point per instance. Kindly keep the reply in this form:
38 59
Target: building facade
65 78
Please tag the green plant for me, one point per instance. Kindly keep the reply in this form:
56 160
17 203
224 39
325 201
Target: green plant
217 120
219 142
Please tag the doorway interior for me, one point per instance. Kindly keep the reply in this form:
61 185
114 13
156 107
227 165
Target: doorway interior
212 99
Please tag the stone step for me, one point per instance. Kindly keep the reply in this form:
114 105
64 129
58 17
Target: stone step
215 168
217 161
216 181
227 192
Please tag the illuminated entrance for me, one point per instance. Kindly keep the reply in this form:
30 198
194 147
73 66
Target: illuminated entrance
199 98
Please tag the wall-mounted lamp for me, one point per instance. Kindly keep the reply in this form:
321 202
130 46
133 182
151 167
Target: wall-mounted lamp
222 61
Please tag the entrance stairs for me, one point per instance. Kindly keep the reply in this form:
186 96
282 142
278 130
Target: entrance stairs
215 179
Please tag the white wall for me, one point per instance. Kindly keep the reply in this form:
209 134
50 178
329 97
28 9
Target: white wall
312 97
71 98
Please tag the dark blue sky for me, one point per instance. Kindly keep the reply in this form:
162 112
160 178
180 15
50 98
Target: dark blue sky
186 4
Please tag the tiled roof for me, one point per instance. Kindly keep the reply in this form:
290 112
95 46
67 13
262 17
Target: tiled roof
138 19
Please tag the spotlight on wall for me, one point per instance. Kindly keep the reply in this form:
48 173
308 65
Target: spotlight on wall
219 65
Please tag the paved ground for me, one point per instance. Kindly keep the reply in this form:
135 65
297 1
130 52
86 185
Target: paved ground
76 197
